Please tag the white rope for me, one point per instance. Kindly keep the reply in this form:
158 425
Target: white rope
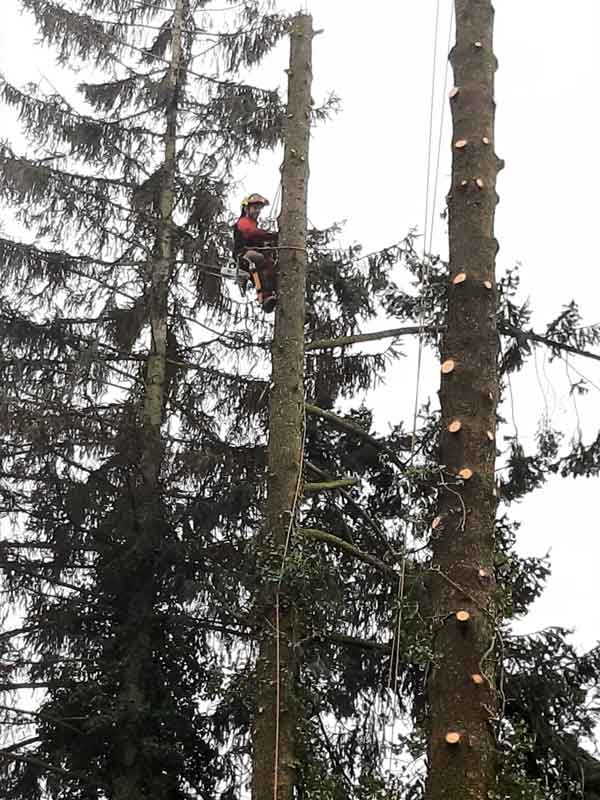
428 229
429 225
277 598
441 132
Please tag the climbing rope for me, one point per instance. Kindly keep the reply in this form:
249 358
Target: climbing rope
428 229
286 548
429 226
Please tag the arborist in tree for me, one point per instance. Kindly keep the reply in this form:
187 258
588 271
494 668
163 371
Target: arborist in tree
253 249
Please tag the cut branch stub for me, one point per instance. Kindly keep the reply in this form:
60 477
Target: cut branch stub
460 144
460 278
455 426
478 679
484 574
478 44
485 140
480 183
490 436
487 284
463 616
464 183
448 367
453 737
453 92
437 523
466 473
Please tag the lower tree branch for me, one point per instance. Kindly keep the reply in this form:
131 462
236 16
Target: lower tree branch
363 644
349 427
330 486
18 745
346 547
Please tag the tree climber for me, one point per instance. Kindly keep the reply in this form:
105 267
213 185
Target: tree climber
254 253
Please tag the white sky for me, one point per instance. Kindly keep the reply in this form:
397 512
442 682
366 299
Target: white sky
368 166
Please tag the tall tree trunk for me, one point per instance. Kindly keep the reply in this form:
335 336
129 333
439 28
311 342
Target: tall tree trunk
462 692
274 774
130 775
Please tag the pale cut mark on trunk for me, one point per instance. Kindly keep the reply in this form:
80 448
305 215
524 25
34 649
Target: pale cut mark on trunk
453 737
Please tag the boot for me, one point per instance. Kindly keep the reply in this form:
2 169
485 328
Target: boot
268 302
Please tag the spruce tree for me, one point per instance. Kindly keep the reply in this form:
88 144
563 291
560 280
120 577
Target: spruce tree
112 449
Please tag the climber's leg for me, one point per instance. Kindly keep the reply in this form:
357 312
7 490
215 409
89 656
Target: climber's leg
262 271
269 276
253 262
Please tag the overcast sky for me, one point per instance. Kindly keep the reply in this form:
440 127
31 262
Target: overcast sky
368 166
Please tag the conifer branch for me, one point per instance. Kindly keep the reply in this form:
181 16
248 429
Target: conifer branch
390 333
350 427
45 767
18 745
344 341
349 549
363 644
371 522
330 486
553 344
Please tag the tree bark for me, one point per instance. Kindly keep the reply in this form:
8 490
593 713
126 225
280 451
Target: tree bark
129 777
463 547
276 721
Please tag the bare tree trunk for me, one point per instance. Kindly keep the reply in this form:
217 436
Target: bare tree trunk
462 692
130 774
274 773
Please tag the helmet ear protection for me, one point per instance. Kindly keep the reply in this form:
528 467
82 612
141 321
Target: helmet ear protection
254 199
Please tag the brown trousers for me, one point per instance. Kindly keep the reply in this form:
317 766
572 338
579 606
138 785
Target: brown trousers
263 271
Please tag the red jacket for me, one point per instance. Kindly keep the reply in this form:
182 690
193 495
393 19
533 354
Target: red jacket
251 235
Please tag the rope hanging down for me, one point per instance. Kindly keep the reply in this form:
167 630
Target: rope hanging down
293 512
429 225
